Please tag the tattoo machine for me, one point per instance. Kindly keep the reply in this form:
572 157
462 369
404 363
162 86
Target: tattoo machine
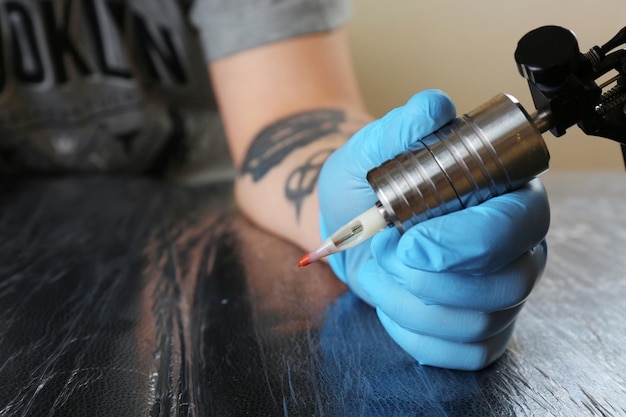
498 146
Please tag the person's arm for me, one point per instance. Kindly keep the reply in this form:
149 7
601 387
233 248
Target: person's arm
449 289
286 106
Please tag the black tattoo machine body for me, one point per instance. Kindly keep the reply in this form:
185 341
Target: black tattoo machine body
498 146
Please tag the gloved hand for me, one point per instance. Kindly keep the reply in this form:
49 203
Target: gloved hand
449 289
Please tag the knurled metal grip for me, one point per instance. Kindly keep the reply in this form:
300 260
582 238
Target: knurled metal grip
489 151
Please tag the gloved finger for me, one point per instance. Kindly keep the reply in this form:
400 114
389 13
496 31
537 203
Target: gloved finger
481 238
398 131
432 351
412 313
503 288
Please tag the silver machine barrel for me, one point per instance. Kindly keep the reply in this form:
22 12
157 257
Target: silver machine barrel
487 152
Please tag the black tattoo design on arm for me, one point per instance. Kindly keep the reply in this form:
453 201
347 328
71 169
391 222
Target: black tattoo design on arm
275 142
302 181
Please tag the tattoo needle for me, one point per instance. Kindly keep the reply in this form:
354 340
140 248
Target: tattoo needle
351 234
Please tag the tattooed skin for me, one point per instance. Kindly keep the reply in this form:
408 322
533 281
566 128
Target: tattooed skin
277 141
302 181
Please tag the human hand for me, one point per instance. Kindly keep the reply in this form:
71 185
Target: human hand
448 290
343 188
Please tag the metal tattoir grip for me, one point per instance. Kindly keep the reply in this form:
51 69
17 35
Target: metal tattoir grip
487 152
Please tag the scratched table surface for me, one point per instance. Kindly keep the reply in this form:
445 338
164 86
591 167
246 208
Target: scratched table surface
130 297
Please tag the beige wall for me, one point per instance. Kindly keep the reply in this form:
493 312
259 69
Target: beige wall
466 49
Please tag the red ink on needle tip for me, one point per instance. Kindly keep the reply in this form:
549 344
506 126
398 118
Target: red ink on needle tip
354 232
304 261
327 247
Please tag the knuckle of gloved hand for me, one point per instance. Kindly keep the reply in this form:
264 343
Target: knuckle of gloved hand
472 358
519 279
506 288
495 322
456 356
467 356
451 324
444 353
533 265
473 327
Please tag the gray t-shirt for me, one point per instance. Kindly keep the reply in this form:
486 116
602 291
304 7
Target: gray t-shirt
122 86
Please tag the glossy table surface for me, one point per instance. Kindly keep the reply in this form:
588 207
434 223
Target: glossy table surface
129 297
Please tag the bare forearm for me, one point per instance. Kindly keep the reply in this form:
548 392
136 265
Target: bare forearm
286 106
276 184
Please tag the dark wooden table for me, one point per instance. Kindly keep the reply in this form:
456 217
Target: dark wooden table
129 297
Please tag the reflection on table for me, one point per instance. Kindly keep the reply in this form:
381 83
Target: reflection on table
129 297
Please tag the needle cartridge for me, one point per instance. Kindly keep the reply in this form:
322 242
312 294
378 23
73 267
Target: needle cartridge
351 234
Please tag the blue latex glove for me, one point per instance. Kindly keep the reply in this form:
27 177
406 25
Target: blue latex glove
448 291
